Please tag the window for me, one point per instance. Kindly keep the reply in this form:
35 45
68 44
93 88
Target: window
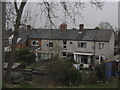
34 43
47 56
50 44
84 59
64 55
97 57
101 45
51 55
43 56
81 45
64 44
70 42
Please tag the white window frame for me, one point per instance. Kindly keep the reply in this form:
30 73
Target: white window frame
44 56
71 42
100 58
63 57
101 45
64 45
50 43
36 42
80 44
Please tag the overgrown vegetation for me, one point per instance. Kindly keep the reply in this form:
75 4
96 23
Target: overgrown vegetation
62 72
100 72
24 56
23 85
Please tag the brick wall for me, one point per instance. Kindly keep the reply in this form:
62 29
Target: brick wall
30 40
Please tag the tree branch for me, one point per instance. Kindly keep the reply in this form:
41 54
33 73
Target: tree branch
16 8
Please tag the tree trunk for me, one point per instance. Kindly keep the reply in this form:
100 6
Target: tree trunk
11 60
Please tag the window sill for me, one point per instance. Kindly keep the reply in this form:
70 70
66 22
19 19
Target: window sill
34 45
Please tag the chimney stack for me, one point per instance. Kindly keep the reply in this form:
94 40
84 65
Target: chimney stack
63 27
81 27
29 27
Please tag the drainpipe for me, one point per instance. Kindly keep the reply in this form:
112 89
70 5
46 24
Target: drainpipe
93 63
118 73
27 41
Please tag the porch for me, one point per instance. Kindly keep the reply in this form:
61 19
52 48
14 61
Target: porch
83 58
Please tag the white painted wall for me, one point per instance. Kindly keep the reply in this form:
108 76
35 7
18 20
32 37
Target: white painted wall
74 47
55 49
108 50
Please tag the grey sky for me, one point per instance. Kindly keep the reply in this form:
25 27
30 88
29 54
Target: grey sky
109 13
91 16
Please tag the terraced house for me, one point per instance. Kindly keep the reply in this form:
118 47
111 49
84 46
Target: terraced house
84 45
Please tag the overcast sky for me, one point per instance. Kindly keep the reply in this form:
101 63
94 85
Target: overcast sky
91 16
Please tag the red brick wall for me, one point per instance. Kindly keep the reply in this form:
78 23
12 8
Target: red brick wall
19 46
30 40
24 44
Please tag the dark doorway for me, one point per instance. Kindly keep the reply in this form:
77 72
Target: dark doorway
84 59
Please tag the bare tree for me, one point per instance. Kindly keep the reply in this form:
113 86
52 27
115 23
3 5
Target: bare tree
48 10
105 26
10 15
51 12
11 61
71 11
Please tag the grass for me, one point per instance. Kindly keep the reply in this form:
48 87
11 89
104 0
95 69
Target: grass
23 85
100 85
28 85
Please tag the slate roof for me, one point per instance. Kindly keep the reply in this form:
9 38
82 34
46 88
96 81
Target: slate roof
85 35
32 48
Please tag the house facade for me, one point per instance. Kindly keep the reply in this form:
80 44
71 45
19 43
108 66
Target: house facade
84 45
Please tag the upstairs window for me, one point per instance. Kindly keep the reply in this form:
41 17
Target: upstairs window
64 44
97 57
34 43
71 43
81 45
50 44
101 45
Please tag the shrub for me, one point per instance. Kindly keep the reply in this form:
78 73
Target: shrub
63 73
7 56
100 72
22 55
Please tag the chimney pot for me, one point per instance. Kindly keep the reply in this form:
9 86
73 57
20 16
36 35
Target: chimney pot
81 27
63 27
